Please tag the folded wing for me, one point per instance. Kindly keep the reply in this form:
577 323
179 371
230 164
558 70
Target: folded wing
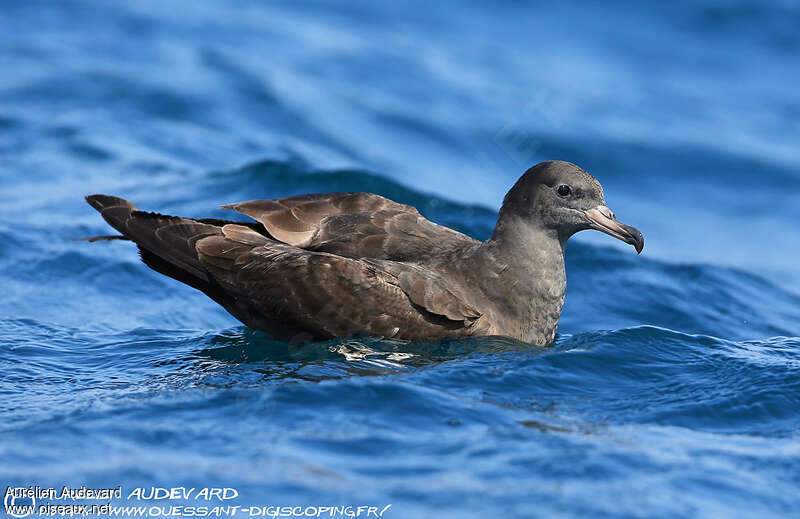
354 225
326 295
288 290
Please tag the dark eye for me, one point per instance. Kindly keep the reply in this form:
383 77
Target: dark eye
564 190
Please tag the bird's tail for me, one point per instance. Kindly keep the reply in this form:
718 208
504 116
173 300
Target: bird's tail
167 245
116 208
168 238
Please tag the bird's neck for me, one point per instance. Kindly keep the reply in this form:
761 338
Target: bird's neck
526 273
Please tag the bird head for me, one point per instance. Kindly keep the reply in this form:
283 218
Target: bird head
561 197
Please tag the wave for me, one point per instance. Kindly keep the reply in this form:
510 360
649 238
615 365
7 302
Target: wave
636 375
609 288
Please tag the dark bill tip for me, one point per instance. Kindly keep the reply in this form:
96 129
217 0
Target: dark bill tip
602 219
634 237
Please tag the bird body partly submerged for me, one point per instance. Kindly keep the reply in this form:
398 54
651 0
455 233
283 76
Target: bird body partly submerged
313 267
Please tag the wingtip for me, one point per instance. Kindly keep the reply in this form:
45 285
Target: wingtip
94 201
100 202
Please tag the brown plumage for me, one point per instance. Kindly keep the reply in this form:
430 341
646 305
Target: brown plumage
313 267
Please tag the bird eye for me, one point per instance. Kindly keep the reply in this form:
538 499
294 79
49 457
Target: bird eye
564 190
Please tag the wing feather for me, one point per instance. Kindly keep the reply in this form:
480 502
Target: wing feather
294 220
333 294
354 225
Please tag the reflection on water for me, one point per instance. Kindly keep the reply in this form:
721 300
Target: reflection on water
356 356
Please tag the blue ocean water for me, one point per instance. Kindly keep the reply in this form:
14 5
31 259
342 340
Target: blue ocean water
673 388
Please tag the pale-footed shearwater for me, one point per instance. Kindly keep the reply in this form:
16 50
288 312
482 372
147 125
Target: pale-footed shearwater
319 266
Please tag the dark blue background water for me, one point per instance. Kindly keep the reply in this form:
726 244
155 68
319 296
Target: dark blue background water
673 388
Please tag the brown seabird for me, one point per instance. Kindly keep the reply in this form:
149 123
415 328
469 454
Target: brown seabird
314 267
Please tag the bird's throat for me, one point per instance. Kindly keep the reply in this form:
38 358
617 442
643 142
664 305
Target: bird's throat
525 271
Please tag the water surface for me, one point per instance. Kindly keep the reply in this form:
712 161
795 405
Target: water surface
673 387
